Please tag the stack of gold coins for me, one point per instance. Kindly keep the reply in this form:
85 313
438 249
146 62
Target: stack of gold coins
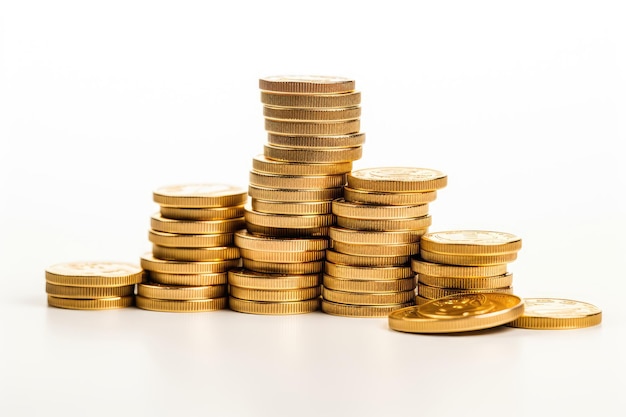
92 285
193 247
379 224
464 262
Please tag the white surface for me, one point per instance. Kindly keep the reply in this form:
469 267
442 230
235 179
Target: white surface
521 104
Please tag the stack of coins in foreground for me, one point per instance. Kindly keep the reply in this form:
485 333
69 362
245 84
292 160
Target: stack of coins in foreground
379 224
92 285
193 247
313 127
464 261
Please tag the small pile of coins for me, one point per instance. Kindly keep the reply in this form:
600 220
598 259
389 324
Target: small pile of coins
193 247
92 285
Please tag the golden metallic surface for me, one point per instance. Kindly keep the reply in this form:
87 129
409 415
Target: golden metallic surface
373 237
287 232
327 141
64 291
456 271
415 223
290 196
471 242
388 198
90 304
373 261
498 281
353 310
419 300
458 313
557 314
245 278
367 273
199 195
152 264
296 208
182 306
373 299
215 278
299 182
180 292
302 268
432 293
279 296
312 128
288 221
212 213
282 257
349 99
263 164
218 253
176 240
468 260
200 227
310 114
94 274
313 155
246 240
344 208
307 84
274 308
397 179
403 249
368 286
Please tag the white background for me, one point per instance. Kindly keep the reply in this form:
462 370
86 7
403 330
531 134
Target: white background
522 104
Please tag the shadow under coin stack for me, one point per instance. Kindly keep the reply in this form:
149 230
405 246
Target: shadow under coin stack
464 262
313 138
193 247
92 285
380 220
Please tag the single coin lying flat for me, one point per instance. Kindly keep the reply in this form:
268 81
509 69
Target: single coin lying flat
557 314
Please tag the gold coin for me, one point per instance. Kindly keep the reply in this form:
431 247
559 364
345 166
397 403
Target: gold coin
307 84
300 182
302 268
175 240
457 271
414 223
403 249
90 304
282 232
362 298
433 293
498 281
287 195
419 300
152 264
366 272
245 278
199 195
353 310
182 306
215 278
200 227
246 240
282 257
349 99
218 253
369 237
285 207
262 164
180 292
327 141
94 274
355 260
397 179
294 113
64 291
390 198
458 313
316 128
471 242
467 260
253 294
344 208
556 314
212 213
313 155
272 308
368 286
288 221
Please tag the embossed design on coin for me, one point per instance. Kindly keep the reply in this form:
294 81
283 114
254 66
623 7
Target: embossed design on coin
461 305
199 190
477 237
557 313
94 269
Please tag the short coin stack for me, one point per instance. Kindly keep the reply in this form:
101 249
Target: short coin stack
464 261
193 247
92 285
379 224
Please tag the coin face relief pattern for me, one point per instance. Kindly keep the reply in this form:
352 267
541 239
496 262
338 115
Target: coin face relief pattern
398 174
472 237
199 190
95 269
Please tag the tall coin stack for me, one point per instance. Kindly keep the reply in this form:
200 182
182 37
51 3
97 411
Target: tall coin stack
464 262
380 220
313 136
193 247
